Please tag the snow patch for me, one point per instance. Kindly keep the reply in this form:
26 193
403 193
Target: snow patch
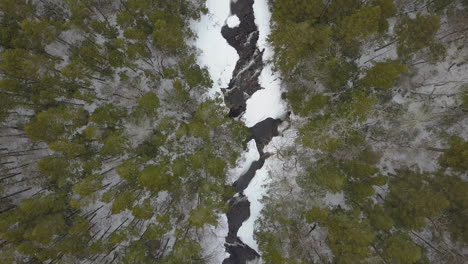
213 241
244 162
335 199
215 53
233 21
254 192
267 102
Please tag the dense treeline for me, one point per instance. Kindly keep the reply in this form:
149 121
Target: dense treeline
135 159
340 89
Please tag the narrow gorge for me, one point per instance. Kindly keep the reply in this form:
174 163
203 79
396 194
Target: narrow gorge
245 82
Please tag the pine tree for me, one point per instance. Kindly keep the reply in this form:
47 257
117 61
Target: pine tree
416 34
383 74
399 249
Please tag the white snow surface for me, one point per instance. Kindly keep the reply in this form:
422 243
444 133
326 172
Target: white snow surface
244 162
267 102
233 21
216 54
254 192
263 104
213 241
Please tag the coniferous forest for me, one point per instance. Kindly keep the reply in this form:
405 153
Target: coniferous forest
115 149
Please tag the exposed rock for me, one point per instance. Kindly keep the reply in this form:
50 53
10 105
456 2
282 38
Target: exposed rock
244 39
242 86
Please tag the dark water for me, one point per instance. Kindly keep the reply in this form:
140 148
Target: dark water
243 85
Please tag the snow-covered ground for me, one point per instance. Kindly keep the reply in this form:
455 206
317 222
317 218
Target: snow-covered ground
254 192
267 102
215 52
263 104
244 162
212 241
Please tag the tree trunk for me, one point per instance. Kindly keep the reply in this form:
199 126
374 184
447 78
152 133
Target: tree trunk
10 176
15 193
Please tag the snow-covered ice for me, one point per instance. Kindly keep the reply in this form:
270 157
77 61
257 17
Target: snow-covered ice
263 104
216 53
233 21
254 192
267 102
244 162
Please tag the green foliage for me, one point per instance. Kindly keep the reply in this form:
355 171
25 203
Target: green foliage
349 237
379 219
295 42
123 201
207 117
361 23
55 123
46 228
454 189
70 149
339 9
129 171
115 145
303 106
135 253
35 225
194 75
383 74
456 156
399 249
317 214
155 178
22 64
387 10
148 106
88 186
268 244
184 251
56 169
334 73
359 191
180 95
206 160
108 115
318 48
201 216
358 107
73 74
437 52
168 33
412 199
416 34
40 33
150 147
144 211
358 170
6 103
297 11
437 6
327 174
314 134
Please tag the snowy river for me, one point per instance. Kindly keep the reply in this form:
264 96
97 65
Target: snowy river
232 39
